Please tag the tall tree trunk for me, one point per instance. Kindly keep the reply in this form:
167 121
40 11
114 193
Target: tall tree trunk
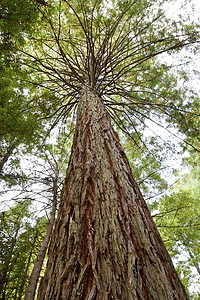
30 292
105 244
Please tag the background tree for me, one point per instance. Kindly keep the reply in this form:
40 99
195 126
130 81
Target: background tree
54 182
43 184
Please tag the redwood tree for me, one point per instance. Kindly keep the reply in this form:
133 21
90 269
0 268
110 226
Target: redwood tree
102 59
105 244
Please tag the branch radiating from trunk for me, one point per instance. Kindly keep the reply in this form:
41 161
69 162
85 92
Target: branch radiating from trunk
105 244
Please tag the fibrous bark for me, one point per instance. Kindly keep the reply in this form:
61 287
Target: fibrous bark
105 244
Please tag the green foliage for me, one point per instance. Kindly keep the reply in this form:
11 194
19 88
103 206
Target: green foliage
23 106
179 223
147 165
20 124
17 18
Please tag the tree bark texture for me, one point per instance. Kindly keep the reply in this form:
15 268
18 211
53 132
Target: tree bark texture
105 244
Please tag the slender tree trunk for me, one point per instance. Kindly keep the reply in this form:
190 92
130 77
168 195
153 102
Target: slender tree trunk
105 244
4 274
30 292
27 268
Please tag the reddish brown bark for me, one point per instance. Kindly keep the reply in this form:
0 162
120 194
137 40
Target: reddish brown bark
105 244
